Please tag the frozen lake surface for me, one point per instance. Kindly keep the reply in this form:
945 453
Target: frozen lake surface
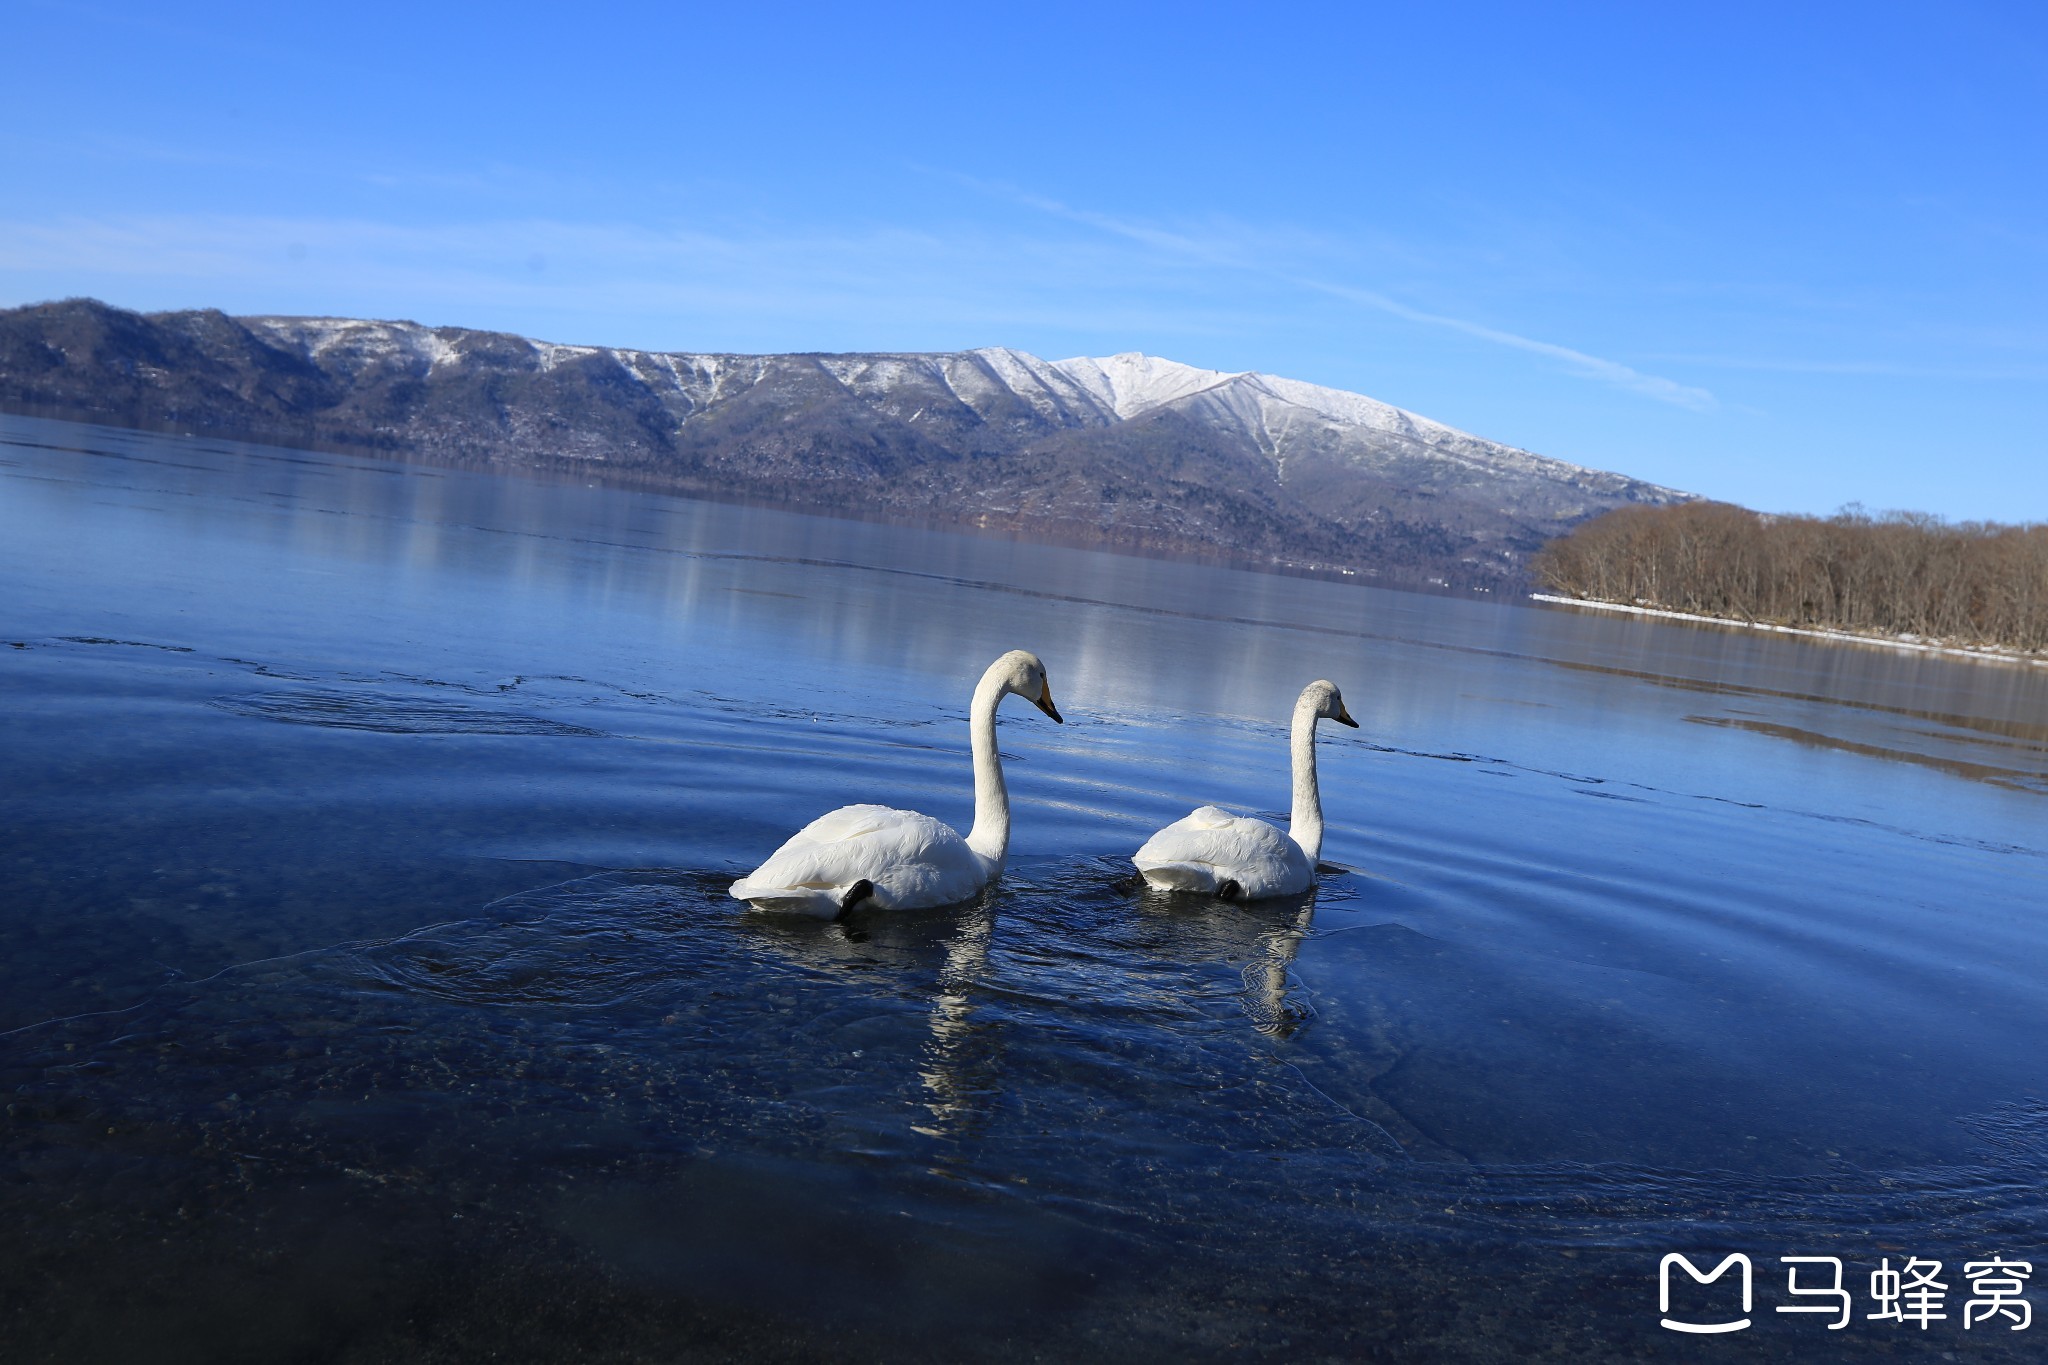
368 989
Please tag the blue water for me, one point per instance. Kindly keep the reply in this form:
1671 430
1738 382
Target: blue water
368 989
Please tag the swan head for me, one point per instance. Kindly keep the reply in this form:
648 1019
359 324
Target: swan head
1022 672
1328 702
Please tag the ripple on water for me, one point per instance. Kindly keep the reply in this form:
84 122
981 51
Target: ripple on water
392 713
628 1020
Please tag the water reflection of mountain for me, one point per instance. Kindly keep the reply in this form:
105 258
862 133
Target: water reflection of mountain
759 585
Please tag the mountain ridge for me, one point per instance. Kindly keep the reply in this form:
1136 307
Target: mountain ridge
1128 451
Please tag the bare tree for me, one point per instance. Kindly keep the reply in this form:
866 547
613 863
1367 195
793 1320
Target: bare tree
1902 573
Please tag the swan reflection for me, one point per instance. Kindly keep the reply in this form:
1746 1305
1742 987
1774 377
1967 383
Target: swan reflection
1264 935
959 1062
1189 959
940 957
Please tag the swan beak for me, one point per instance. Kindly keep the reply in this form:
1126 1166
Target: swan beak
1044 703
1343 716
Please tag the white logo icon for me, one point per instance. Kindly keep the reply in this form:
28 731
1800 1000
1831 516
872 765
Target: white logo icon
1664 1291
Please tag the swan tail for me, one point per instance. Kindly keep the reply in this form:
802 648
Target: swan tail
825 902
1199 877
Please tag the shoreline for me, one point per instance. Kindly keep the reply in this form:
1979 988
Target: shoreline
1985 653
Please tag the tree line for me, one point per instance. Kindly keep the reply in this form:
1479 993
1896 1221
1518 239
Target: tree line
1897 573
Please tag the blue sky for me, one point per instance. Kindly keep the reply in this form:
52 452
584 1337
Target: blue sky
1788 255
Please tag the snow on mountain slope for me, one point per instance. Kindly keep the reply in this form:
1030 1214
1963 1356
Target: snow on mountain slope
1282 415
1131 384
1279 412
1049 390
352 342
1285 420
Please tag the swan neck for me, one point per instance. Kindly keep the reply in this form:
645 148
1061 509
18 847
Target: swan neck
1306 825
990 837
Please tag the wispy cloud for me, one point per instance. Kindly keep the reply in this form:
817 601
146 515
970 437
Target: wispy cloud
1216 251
1592 366
1880 369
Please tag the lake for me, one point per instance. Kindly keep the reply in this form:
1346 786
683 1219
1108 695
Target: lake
369 989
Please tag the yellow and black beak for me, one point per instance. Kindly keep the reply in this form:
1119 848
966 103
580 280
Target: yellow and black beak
1343 716
1044 703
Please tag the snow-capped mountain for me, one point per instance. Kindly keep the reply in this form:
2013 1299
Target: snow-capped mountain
1127 451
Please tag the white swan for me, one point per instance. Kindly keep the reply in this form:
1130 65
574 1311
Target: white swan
1237 857
899 859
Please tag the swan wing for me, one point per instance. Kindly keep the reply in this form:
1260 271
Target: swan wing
912 860
1209 846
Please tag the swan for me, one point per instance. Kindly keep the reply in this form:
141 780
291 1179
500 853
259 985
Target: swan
1236 857
899 859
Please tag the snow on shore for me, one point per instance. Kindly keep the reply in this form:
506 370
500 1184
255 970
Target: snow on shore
1989 653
